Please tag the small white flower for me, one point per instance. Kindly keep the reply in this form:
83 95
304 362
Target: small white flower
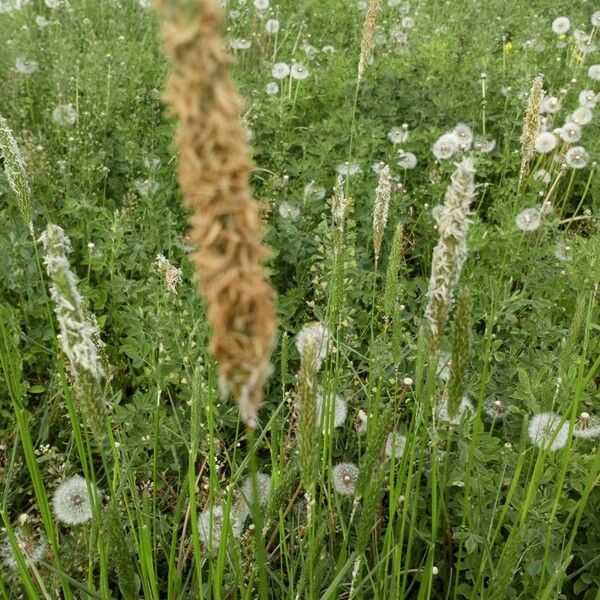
288 211
64 115
71 501
446 146
395 444
543 428
561 25
317 336
340 410
570 132
272 26
210 527
398 135
545 142
594 72
344 477
299 71
407 160
576 157
280 70
529 219
25 66
464 134
272 88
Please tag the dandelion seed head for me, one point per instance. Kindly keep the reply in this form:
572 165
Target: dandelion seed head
71 501
32 547
586 426
210 527
317 336
563 253
529 219
551 104
577 157
271 88
582 116
588 98
280 70
340 410
344 477
25 66
395 444
545 142
464 408
407 160
263 490
596 19
464 134
272 26
542 175
398 135
312 190
288 211
240 44
543 427
299 72
561 25
570 132
594 72
446 146
347 169
484 146
261 4
495 409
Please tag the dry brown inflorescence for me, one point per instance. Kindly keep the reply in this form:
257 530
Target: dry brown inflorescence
214 171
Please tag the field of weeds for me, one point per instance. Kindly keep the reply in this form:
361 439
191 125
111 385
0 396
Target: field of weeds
299 299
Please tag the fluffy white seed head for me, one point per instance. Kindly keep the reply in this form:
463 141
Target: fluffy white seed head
344 477
545 142
561 25
446 146
577 157
395 444
326 405
71 501
529 219
210 527
318 336
545 431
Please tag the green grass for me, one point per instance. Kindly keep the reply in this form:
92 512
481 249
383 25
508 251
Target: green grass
466 511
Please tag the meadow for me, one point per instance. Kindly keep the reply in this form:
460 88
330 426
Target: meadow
426 185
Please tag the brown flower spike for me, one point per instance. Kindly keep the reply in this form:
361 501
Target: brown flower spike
214 171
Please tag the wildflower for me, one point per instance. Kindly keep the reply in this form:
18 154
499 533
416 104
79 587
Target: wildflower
594 72
551 104
340 410
529 219
272 26
32 547
545 142
25 66
71 501
380 211
272 88
561 25
464 134
484 146
348 169
288 211
261 4
344 477
407 160
495 409
450 252
299 71
465 407
210 527
581 116
171 274
398 135
570 132
588 98
545 431
280 70
576 157
395 444
586 426
542 175
446 146
318 336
